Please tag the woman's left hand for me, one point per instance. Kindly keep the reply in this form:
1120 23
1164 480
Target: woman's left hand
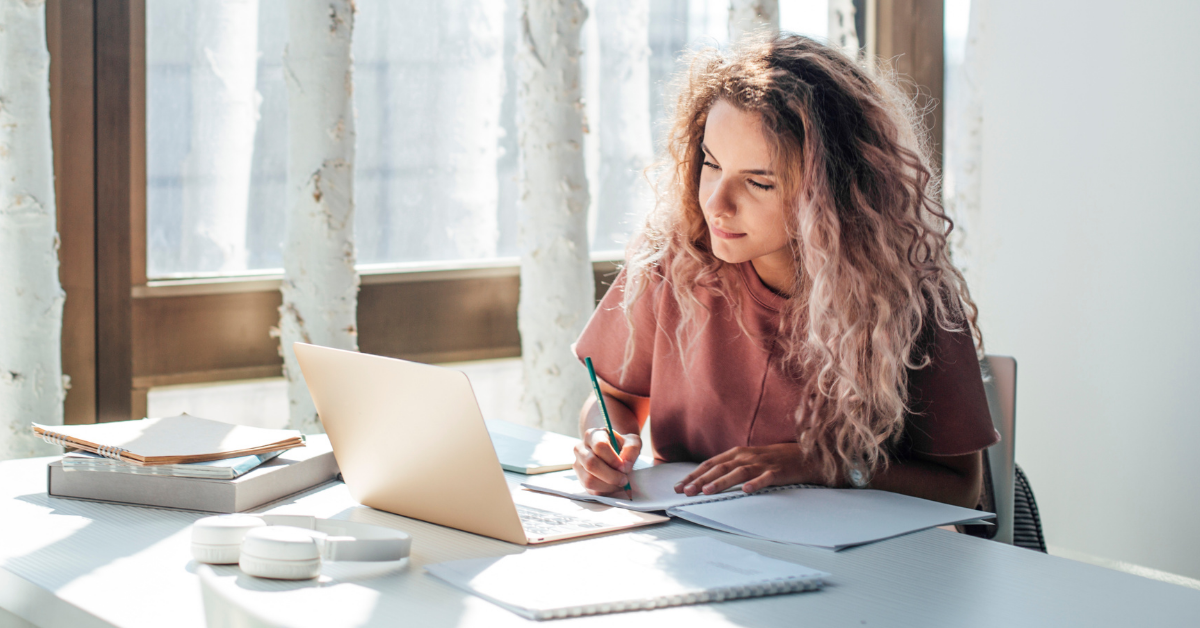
757 467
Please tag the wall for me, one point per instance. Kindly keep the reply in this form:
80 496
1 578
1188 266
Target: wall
1087 265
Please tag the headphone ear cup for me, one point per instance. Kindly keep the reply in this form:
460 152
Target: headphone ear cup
280 569
216 554
218 540
281 552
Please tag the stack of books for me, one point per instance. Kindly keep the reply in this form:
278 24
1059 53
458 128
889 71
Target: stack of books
185 462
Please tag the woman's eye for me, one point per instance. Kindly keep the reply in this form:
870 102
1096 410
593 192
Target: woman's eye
711 165
761 186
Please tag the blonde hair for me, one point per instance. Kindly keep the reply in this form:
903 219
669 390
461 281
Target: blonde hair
868 235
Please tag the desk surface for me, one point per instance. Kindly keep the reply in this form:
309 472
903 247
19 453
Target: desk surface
66 562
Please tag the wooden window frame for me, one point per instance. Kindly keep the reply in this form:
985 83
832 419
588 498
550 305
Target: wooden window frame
123 334
912 35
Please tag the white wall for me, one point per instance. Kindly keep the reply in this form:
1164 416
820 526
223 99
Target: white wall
1088 265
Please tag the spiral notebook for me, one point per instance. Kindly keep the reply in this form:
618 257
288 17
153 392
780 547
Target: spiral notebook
170 440
629 572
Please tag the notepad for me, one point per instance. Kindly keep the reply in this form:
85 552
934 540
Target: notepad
170 440
624 573
528 450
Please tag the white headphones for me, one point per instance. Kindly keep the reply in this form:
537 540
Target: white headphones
291 547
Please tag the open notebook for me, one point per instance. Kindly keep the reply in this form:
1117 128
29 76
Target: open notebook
170 440
805 515
653 488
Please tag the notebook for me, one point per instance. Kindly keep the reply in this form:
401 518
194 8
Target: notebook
528 450
226 469
169 440
624 573
800 514
653 488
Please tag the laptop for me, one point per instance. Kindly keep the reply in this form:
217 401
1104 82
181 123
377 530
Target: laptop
410 439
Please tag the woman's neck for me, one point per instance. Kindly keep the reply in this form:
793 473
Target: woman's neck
776 272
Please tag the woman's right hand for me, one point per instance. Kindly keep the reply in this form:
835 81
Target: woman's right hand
600 469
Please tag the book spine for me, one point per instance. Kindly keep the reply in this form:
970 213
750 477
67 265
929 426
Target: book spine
773 587
143 490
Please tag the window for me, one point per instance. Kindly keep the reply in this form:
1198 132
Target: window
436 152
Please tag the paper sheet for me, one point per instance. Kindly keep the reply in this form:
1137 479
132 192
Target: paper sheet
830 518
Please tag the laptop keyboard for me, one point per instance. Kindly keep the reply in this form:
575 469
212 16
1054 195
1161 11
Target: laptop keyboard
542 523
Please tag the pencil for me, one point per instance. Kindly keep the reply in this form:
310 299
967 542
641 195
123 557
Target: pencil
612 437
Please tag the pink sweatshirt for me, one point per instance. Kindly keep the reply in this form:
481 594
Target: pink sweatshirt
732 393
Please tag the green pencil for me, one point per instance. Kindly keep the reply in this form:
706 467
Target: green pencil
612 437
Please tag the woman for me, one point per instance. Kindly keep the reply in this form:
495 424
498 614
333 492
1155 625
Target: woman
788 312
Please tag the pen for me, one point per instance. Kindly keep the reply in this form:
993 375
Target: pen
612 438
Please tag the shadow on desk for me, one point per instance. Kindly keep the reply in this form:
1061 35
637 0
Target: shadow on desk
80 545
332 574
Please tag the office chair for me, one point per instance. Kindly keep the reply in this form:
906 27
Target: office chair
1006 489
222 611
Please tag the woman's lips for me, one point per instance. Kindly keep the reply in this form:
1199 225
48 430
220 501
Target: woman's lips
725 234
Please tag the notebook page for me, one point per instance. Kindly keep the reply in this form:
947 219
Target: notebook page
653 488
582 578
830 518
176 436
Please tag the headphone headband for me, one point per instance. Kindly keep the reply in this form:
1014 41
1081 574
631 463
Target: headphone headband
349 540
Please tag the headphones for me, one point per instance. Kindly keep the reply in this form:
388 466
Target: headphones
291 547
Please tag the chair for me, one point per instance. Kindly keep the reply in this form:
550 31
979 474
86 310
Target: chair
1000 382
220 610
1006 489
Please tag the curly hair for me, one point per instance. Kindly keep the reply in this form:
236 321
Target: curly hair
868 236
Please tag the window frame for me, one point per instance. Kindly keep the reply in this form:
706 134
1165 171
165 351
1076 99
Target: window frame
218 329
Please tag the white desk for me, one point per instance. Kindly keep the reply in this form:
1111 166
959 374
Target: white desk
82 564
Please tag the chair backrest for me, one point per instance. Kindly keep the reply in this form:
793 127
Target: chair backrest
1000 382
220 610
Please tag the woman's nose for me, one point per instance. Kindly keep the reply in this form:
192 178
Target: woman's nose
719 203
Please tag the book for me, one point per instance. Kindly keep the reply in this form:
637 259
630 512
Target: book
529 450
797 513
170 440
226 469
290 472
624 573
